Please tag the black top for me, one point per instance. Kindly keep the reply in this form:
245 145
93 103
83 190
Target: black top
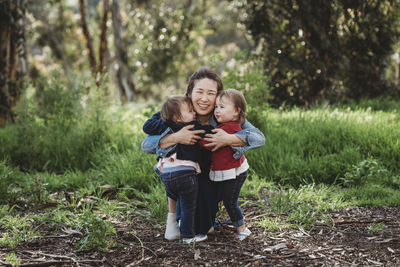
156 126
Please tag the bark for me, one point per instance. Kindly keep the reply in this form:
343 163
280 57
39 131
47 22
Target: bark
103 41
127 88
13 64
92 59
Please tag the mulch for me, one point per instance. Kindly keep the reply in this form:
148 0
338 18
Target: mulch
348 241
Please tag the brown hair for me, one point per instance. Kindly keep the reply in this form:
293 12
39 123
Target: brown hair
203 73
171 109
238 101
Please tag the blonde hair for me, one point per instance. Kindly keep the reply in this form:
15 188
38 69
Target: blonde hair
171 109
238 101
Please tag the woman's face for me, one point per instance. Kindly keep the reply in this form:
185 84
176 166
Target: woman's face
203 96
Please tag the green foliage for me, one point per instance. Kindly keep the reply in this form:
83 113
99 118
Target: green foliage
321 145
54 131
376 227
98 233
366 170
317 50
10 179
13 259
248 76
305 207
18 230
373 195
273 224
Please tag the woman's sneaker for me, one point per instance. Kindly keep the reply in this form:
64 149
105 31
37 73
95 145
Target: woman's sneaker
243 235
197 238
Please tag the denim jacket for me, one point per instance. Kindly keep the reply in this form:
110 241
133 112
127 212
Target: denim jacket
252 136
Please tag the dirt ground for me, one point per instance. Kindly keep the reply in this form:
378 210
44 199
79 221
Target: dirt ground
349 241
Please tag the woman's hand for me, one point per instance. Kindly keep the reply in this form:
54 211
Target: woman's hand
220 138
183 136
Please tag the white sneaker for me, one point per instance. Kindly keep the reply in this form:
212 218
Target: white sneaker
243 235
196 239
172 229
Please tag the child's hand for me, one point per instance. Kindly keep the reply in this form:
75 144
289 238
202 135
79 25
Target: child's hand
219 139
186 137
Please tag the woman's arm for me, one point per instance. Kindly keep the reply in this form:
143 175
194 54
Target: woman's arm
166 142
151 144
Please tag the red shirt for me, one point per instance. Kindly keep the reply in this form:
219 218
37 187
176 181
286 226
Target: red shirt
223 159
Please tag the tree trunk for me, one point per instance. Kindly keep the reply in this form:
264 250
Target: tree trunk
13 65
127 88
92 58
103 41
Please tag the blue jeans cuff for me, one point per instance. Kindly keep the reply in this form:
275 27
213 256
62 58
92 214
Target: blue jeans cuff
238 223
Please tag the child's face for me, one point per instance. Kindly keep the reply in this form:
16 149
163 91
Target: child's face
187 113
225 110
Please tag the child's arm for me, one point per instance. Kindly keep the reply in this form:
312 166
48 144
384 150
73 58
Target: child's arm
155 125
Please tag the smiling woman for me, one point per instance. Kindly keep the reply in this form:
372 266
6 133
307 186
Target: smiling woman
203 98
203 88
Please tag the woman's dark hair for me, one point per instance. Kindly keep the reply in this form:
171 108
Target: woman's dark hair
203 73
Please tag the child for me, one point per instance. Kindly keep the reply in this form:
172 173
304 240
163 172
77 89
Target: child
230 112
179 170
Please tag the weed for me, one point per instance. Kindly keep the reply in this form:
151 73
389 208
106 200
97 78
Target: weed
13 259
273 224
98 233
281 200
5 210
18 230
9 182
366 170
376 227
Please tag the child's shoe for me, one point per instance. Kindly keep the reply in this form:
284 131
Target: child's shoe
197 238
243 235
172 229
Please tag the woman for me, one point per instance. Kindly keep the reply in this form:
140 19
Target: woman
203 89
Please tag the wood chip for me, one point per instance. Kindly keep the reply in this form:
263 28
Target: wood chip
197 254
276 247
374 262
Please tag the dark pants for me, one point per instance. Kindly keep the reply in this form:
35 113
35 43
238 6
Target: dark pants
183 186
230 190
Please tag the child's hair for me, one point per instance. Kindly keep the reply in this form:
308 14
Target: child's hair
238 101
171 109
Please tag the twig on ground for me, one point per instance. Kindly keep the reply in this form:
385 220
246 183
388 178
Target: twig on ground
6 264
53 256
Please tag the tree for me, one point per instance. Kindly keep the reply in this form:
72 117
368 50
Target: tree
127 88
13 64
97 69
324 49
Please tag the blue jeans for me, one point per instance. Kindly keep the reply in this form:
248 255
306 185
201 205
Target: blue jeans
183 185
230 190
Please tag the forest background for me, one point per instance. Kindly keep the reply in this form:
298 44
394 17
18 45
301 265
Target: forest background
79 78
